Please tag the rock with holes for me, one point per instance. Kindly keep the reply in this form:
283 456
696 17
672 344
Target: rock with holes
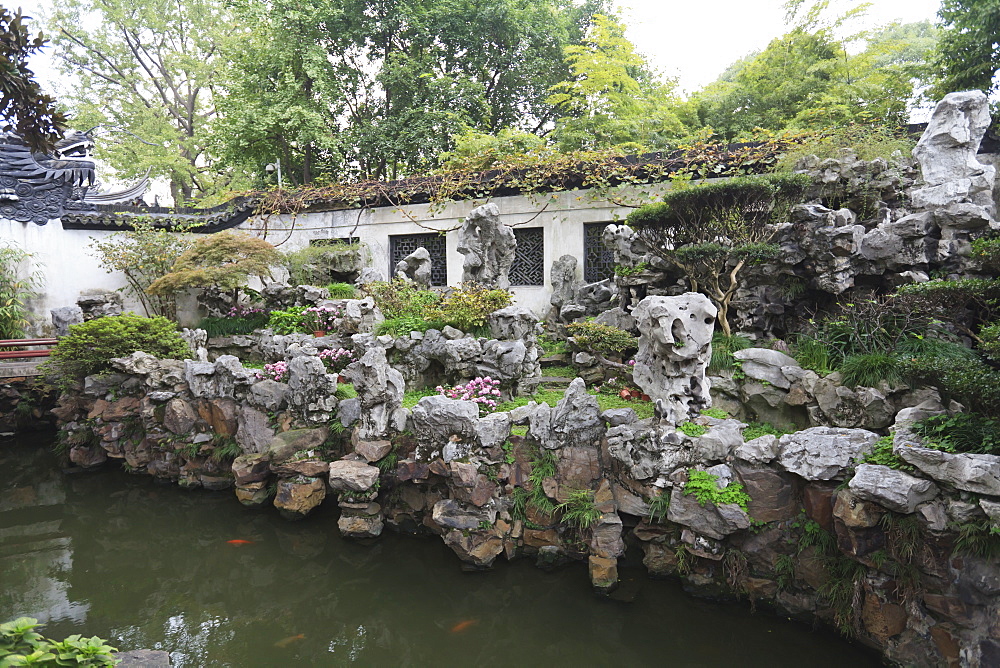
488 246
416 267
675 347
575 420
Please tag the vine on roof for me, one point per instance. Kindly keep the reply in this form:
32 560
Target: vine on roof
536 173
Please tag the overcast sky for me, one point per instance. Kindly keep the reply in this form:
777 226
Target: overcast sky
693 40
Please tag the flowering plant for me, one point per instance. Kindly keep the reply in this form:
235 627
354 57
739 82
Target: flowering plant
243 311
322 318
482 391
277 372
336 359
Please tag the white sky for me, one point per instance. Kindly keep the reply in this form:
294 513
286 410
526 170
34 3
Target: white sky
693 40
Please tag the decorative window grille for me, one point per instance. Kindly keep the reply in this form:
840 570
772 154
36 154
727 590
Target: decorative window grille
401 245
529 258
598 260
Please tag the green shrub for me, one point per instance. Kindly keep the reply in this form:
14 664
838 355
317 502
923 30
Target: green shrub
21 645
970 382
400 298
813 354
703 485
289 321
692 429
602 339
579 510
962 432
882 455
716 413
758 429
869 369
342 291
18 283
402 326
723 347
467 308
90 345
223 326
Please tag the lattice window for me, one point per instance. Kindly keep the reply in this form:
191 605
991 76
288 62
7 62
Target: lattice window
401 245
529 258
598 260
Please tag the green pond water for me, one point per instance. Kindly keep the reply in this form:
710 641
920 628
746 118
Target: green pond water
148 566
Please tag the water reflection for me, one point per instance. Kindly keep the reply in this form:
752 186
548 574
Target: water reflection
149 566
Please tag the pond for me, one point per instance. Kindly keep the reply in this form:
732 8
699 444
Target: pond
151 566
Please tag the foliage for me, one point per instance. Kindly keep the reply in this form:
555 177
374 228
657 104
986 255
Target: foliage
225 260
967 55
151 71
411 397
631 270
341 291
716 413
278 372
704 486
225 448
90 345
612 99
579 510
822 73
658 507
883 455
758 429
466 308
230 326
866 141
336 359
346 391
813 353
962 432
21 645
542 466
18 283
711 231
964 303
723 347
552 346
692 429
870 369
144 254
288 321
313 265
402 326
980 539
485 392
361 89
479 151
973 383
28 112
602 339
400 298
322 318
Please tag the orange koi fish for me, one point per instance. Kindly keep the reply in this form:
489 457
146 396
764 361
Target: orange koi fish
240 541
464 625
289 640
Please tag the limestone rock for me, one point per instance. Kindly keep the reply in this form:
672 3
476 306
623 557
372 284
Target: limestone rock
823 453
454 515
772 493
286 444
969 472
251 468
352 476
254 432
380 389
675 346
477 548
179 417
769 366
862 407
603 572
416 267
895 490
761 450
439 420
713 521
512 323
575 420
488 246
65 316
268 394
360 526
298 496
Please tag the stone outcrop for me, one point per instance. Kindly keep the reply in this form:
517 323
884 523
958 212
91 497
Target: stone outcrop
824 453
675 346
380 394
488 246
416 267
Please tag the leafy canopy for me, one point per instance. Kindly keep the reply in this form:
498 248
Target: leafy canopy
224 260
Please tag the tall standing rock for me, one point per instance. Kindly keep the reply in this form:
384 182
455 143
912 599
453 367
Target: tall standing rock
675 347
488 246
380 391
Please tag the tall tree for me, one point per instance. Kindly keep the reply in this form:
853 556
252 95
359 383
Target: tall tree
148 68
25 109
378 87
612 99
820 74
968 53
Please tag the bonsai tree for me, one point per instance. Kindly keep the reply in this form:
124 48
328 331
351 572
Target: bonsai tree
712 231
224 261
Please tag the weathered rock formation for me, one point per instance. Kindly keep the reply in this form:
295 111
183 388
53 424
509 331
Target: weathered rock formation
416 267
488 246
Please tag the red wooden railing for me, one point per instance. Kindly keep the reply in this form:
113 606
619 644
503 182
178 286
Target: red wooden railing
23 343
